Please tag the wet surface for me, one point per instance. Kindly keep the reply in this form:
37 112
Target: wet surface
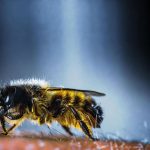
32 142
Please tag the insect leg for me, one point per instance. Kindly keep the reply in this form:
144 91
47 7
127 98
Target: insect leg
7 131
82 123
11 128
67 129
2 120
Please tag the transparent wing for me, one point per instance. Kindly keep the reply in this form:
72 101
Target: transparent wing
88 92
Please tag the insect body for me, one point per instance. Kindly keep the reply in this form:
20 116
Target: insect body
36 100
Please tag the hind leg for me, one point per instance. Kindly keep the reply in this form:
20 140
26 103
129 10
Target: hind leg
67 129
82 123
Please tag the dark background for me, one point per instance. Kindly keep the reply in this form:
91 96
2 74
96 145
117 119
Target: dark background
89 44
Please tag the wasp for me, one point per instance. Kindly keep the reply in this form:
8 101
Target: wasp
37 101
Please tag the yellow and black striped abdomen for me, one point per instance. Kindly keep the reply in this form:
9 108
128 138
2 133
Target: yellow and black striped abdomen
71 98
63 101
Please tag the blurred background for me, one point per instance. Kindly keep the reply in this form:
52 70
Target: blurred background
100 45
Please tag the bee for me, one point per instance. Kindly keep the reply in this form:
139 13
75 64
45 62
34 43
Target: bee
37 101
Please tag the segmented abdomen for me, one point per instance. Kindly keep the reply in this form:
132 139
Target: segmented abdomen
84 104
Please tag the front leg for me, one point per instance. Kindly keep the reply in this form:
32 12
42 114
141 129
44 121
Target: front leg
3 123
11 128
